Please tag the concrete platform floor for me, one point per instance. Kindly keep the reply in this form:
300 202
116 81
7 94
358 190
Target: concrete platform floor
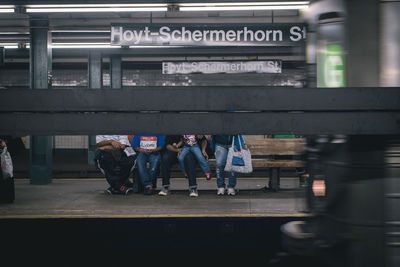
85 198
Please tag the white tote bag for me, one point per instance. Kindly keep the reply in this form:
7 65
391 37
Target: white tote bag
6 164
238 161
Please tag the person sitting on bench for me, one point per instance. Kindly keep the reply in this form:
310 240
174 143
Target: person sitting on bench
116 160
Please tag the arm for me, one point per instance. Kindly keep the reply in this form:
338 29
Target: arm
172 148
3 143
110 145
203 148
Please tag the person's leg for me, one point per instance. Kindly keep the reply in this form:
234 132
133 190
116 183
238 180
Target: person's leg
181 158
232 179
200 158
221 154
127 165
106 164
190 166
154 160
143 171
232 183
168 158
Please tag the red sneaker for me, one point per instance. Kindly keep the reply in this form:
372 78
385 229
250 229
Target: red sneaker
208 176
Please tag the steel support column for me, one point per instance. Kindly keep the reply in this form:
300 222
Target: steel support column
95 75
40 70
115 71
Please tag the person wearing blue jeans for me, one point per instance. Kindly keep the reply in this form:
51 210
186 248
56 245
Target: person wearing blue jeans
191 144
221 145
148 148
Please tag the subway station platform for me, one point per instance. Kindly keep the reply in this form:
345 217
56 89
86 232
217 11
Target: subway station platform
72 222
85 198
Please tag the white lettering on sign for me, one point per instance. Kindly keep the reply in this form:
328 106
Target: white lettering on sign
208 67
297 33
182 35
148 142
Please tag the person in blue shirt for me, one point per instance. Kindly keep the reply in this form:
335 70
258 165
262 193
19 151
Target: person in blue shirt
148 148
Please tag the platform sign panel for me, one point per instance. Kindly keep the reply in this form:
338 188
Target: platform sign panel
231 67
332 67
331 55
208 34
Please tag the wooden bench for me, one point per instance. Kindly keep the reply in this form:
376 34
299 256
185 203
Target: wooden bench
271 153
266 153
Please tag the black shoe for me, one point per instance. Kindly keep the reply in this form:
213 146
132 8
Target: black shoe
149 191
129 184
125 190
112 191
108 191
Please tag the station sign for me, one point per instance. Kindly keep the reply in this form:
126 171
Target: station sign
331 64
231 67
208 34
332 67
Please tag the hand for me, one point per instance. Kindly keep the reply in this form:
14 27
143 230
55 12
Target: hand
205 155
145 151
122 146
116 145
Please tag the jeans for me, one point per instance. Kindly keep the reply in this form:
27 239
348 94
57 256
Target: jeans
148 175
117 172
199 156
169 158
221 153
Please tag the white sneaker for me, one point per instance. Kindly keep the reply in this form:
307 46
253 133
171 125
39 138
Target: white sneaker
193 192
164 192
231 191
220 191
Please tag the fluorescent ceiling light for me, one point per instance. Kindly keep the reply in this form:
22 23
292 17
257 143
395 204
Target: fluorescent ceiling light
12 45
81 45
98 45
96 5
96 8
283 3
7 9
238 8
79 31
244 6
